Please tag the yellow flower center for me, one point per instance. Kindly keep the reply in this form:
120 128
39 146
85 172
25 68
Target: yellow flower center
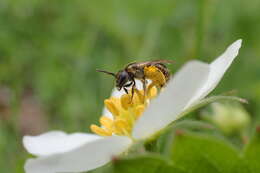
127 109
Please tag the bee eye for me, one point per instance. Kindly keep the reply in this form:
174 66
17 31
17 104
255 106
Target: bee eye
122 79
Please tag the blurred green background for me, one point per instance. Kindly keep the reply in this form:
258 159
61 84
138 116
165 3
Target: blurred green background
49 50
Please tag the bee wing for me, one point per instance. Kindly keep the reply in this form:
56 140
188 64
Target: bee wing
153 62
148 63
162 61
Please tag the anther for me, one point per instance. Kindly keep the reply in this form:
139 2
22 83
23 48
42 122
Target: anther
122 127
139 111
152 92
100 131
111 107
126 101
140 96
106 122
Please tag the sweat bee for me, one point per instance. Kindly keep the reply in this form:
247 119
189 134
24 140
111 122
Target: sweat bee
155 71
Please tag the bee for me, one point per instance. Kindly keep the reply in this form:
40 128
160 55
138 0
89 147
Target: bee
155 71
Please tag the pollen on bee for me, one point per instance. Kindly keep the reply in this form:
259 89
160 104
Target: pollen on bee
157 77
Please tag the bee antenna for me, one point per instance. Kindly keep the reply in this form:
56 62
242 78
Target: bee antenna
107 72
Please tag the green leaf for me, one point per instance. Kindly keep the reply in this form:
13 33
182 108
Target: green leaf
108 168
148 163
252 153
203 154
164 142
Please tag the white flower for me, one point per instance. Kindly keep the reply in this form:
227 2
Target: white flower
77 152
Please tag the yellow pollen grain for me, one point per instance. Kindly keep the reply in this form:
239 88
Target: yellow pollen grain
100 131
110 105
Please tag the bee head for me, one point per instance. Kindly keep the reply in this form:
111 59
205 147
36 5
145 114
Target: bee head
122 78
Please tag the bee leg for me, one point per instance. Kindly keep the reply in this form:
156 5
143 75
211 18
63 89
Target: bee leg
126 91
144 86
133 90
128 85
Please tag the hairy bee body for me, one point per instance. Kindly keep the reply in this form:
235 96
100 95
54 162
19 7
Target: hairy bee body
155 70
137 68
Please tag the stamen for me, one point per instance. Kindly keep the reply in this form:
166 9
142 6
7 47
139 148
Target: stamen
122 127
149 88
106 122
152 92
100 131
140 96
126 101
139 111
111 107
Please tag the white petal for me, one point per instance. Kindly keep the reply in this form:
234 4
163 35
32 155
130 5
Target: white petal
84 158
164 109
217 70
55 142
116 93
